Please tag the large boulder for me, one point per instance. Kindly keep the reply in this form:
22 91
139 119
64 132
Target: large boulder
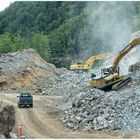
7 120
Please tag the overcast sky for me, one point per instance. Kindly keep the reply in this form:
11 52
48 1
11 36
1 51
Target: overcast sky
5 3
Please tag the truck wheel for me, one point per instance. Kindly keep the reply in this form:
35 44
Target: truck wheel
31 105
19 106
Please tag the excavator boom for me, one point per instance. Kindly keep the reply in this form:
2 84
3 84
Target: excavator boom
91 60
88 64
111 78
121 54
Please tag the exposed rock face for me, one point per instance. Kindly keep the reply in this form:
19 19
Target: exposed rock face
21 70
26 70
7 120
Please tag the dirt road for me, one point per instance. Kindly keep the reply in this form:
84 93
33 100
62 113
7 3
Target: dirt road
38 123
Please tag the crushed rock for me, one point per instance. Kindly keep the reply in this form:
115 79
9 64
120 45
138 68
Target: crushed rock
21 70
98 110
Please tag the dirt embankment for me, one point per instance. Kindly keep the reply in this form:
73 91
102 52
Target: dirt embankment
26 70
22 70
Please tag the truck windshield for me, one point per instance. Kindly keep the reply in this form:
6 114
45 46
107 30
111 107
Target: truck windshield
25 95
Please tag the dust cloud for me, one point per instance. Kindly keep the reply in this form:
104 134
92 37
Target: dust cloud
110 26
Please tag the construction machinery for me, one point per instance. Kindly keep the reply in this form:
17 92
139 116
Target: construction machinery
110 77
88 64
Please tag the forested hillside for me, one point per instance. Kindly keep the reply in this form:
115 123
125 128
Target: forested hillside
65 31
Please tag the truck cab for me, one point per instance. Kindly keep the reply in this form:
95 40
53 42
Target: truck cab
25 99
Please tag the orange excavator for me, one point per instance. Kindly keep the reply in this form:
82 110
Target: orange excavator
88 64
110 77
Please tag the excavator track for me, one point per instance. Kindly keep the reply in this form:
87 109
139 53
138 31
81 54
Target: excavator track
122 83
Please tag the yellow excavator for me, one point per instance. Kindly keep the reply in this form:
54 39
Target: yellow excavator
88 64
110 77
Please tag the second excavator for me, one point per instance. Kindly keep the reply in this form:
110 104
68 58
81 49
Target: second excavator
88 64
110 77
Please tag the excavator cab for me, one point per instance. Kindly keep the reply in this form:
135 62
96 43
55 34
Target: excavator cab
108 71
105 72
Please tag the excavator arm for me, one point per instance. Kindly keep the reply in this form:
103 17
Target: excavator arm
111 79
88 64
122 53
91 60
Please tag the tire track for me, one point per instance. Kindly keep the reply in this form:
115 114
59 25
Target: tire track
22 115
37 124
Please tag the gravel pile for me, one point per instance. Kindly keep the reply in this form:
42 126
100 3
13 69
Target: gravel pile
22 71
98 110
67 85
26 70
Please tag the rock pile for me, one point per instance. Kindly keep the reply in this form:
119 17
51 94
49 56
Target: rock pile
26 70
21 70
98 110
67 85
135 67
7 120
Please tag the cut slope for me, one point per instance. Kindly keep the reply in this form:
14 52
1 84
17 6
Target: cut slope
21 70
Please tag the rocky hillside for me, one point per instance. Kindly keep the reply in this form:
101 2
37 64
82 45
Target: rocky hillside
21 70
26 70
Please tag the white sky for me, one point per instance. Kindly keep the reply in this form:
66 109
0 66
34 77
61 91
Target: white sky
5 3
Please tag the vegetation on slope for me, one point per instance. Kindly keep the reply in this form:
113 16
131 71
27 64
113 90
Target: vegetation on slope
59 31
